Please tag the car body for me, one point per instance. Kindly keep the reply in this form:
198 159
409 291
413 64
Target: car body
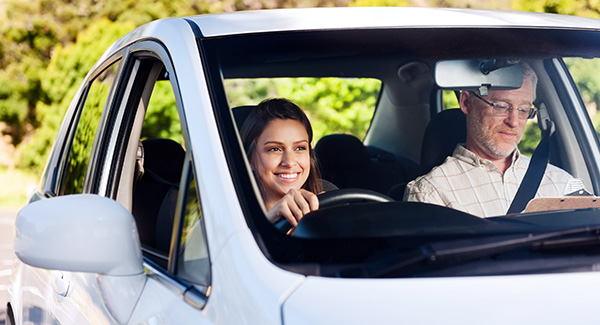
90 250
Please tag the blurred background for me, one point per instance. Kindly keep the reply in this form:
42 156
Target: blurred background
47 47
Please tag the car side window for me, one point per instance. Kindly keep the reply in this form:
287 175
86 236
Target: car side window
86 129
194 262
158 174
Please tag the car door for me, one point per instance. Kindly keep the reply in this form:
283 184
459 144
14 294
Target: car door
50 296
149 171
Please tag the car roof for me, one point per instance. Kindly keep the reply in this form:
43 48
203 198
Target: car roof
349 18
307 19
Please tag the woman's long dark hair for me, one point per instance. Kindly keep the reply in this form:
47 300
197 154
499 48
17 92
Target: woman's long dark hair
283 109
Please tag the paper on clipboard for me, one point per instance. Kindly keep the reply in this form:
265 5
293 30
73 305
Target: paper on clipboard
562 203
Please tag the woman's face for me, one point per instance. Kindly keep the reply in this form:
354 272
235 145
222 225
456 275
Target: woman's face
281 159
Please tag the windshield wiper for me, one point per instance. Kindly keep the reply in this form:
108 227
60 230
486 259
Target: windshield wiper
448 253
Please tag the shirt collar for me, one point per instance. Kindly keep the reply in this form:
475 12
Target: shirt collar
463 154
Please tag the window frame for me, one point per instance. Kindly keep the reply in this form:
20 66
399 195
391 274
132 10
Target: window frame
124 119
189 175
96 159
140 51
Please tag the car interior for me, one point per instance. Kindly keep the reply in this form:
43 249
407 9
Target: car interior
413 127
411 130
392 155
155 190
347 163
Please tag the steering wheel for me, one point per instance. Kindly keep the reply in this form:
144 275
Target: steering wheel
340 197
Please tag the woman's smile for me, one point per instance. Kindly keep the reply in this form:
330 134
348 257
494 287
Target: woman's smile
288 177
282 158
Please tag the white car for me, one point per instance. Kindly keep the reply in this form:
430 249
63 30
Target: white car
147 211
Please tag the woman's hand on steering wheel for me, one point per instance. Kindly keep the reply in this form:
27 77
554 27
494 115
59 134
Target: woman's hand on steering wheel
334 198
293 206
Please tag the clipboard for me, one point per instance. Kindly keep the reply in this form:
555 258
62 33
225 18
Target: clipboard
577 200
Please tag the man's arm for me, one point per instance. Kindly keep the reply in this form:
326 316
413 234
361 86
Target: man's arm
422 190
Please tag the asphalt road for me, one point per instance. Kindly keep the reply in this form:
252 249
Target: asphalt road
7 233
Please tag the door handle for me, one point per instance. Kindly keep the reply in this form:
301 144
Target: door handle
60 285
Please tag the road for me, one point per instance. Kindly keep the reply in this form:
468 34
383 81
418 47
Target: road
7 220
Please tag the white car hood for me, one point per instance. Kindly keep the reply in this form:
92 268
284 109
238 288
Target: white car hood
570 298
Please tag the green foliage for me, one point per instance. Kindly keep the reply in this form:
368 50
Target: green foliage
588 8
583 71
162 120
87 128
49 45
585 74
41 67
60 81
531 138
450 99
251 91
140 12
488 4
379 3
28 41
333 105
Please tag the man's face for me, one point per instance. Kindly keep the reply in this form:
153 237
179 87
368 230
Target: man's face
490 136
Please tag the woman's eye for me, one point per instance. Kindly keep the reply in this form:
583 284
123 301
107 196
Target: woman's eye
300 148
273 149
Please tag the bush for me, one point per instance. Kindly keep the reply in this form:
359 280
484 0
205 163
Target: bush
60 81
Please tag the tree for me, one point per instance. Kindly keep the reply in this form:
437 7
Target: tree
49 45
60 81
583 8
29 38
334 105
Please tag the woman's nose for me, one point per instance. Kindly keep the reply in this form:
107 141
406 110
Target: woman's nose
287 159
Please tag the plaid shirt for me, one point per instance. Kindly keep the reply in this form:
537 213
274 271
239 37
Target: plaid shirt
474 185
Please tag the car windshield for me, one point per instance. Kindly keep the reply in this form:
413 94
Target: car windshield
370 95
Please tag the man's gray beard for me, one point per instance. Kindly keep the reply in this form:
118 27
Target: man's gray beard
489 145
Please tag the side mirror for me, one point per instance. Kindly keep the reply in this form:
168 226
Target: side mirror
79 233
484 75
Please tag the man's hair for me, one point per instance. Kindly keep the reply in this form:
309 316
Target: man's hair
528 73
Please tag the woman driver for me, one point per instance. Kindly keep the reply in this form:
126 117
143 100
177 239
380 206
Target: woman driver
277 137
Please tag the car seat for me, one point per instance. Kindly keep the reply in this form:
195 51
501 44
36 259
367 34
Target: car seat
445 130
155 193
240 114
347 163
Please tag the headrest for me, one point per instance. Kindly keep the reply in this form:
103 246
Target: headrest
164 157
444 131
341 150
240 114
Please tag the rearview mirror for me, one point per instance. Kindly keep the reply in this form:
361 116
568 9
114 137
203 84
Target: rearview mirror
79 233
478 74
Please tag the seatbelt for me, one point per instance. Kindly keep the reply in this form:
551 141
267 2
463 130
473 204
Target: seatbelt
537 166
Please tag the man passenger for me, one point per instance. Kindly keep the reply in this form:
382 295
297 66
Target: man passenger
483 175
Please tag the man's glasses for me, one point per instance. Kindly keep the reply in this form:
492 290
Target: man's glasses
503 109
